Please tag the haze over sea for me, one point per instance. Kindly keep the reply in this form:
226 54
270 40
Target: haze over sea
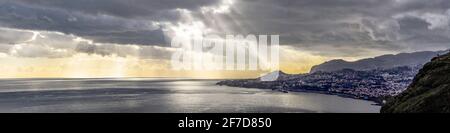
161 95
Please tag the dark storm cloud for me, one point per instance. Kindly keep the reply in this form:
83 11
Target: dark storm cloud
122 8
346 25
105 28
326 27
110 21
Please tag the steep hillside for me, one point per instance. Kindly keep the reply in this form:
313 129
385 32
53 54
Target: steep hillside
429 92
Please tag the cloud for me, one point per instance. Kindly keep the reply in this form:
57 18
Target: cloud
32 44
120 8
340 28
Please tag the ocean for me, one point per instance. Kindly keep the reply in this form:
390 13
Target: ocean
162 95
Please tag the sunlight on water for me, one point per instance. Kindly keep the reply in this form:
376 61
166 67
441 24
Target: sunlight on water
161 95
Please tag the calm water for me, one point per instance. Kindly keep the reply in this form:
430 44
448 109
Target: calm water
161 95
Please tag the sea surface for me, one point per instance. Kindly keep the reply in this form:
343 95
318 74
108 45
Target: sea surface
161 95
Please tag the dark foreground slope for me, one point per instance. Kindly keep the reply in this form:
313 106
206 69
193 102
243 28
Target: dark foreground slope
429 92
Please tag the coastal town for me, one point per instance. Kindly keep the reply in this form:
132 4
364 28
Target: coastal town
369 85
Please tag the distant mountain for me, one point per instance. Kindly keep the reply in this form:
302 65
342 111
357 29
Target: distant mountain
380 62
272 76
429 91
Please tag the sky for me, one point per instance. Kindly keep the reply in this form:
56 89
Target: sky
118 38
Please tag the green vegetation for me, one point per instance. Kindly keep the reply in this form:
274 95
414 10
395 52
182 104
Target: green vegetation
429 92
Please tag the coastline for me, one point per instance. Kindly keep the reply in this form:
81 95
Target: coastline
378 101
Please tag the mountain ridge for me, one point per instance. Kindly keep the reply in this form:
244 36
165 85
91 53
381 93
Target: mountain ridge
380 62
